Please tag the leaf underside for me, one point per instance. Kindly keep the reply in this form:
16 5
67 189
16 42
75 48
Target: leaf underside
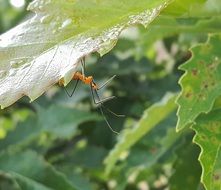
47 47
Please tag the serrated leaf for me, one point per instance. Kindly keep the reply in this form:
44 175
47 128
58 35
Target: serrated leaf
37 53
201 83
208 130
151 117
33 166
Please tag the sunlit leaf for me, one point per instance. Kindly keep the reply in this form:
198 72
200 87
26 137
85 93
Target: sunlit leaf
47 47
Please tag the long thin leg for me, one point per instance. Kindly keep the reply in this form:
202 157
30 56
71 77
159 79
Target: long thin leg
99 100
71 94
83 66
101 104
104 84
108 124
115 114
102 113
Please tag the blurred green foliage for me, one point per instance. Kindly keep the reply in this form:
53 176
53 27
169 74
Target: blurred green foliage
58 142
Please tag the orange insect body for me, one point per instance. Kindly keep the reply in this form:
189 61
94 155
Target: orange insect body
86 80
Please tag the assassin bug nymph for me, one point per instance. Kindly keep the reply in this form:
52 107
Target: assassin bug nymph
80 76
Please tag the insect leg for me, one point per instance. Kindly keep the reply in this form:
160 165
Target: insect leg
99 100
101 110
102 105
71 94
104 84
113 113
83 66
108 124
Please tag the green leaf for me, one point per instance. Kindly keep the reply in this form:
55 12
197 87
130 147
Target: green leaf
7 182
77 179
57 121
152 151
201 83
151 117
186 168
34 167
194 8
170 26
196 17
80 157
88 158
47 47
26 183
154 145
62 122
208 130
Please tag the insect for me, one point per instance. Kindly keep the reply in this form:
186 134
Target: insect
89 80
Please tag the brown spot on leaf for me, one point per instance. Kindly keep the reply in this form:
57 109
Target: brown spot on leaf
201 96
206 49
216 177
204 137
213 83
188 94
214 140
205 85
153 150
201 62
213 66
194 72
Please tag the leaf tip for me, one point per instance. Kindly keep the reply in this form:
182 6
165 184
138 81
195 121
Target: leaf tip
2 107
178 126
31 100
